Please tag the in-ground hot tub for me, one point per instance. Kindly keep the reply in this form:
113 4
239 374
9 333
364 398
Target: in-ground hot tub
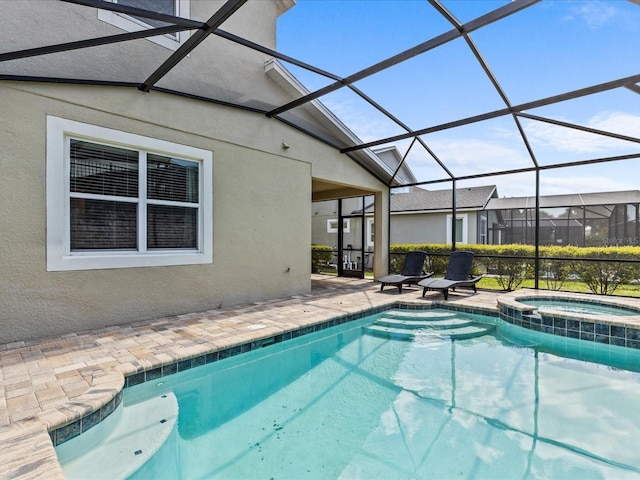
595 318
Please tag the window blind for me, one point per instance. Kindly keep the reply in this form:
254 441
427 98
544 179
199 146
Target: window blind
99 224
161 6
103 170
172 227
110 221
172 179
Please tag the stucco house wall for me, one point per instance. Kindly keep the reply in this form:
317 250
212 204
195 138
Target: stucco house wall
424 216
429 228
262 192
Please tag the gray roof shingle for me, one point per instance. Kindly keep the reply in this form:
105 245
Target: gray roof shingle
424 200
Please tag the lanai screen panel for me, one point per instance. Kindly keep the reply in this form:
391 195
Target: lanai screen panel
422 67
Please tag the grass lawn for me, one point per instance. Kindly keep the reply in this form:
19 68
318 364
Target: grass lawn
491 283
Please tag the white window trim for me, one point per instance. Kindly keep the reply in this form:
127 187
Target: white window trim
465 227
484 229
130 24
346 225
370 222
59 256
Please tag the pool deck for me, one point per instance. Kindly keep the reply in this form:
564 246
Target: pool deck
49 383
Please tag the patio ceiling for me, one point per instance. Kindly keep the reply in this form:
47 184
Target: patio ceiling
497 108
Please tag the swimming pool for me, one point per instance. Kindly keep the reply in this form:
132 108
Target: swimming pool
351 403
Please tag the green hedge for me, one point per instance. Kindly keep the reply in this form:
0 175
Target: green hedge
602 277
320 256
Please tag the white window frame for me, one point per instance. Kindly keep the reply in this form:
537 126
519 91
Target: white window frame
465 228
484 229
131 24
332 225
370 232
59 255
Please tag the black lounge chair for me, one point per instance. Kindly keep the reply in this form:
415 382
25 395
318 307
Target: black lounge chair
412 272
458 275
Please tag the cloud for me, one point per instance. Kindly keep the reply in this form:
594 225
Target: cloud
470 152
367 123
567 183
562 139
617 122
594 14
468 156
559 182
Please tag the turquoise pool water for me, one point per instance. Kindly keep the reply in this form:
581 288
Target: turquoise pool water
346 404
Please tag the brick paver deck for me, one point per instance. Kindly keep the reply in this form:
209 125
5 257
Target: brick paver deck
49 383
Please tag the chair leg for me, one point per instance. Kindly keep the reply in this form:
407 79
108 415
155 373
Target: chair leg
424 291
381 286
446 293
399 288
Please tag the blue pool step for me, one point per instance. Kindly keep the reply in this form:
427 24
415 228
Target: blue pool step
402 325
421 314
411 324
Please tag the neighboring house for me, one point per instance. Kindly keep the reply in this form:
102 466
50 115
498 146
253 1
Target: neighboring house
580 219
390 156
132 192
425 216
417 216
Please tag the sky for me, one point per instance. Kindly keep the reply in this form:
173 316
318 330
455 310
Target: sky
550 48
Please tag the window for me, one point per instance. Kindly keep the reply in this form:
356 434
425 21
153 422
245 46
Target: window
332 225
118 200
461 229
483 229
370 232
177 8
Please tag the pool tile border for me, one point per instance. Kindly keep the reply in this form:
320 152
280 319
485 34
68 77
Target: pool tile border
73 429
606 329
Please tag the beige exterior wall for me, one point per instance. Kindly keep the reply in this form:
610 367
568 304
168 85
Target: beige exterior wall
262 192
429 227
261 210
217 68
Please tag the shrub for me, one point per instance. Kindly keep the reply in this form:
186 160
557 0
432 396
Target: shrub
510 272
555 272
602 277
434 263
320 255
